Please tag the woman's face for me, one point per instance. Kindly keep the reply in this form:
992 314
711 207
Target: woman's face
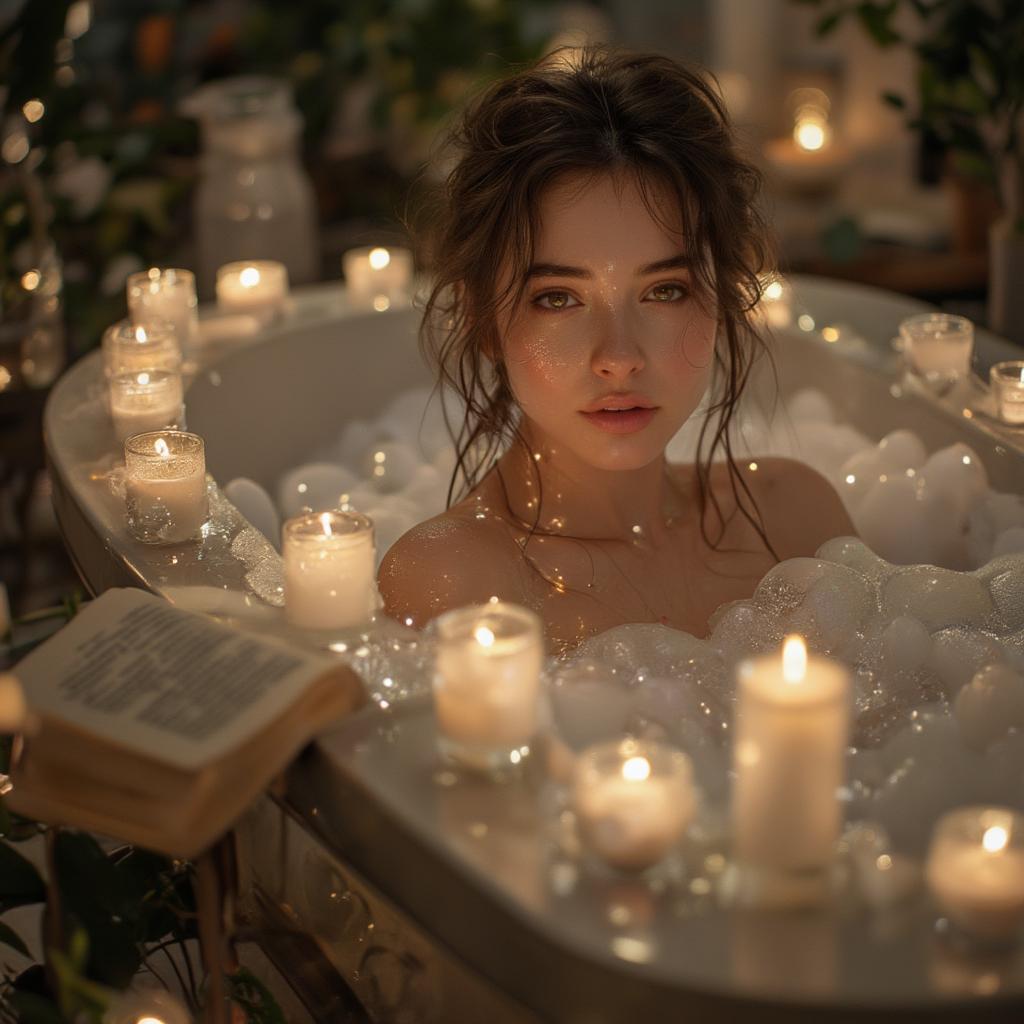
609 351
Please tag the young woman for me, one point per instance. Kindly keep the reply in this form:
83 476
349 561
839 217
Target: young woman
597 256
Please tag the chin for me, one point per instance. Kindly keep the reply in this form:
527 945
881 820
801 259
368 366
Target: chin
622 457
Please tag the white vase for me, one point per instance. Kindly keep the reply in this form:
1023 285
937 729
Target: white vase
1006 281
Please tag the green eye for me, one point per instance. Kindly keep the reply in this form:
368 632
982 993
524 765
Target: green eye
554 300
667 292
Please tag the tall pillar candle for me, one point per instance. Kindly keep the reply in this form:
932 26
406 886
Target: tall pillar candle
788 755
142 402
328 570
131 348
256 287
165 296
377 276
165 486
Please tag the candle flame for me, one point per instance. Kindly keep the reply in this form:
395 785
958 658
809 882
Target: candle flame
636 769
995 839
161 448
379 258
1022 375
773 291
150 1019
810 135
484 636
794 659
249 277
325 522
143 378
140 334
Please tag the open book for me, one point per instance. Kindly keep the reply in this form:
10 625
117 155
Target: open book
159 726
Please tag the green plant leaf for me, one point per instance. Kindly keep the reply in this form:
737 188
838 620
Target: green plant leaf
20 883
827 25
894 99
249 993
9 937
876 19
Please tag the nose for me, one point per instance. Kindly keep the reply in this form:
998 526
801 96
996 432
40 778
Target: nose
617 354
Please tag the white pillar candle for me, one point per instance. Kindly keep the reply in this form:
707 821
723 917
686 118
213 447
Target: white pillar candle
165 296
938 345
128 348
789 743
975 871
328 570
487 683
256 287
147 401
377 277
165 486
633 801
1007 381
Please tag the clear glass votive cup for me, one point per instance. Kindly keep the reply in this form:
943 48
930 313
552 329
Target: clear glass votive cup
938 346
633 801
165 486
165 295
256 287
147 401
975 871
377 276
329 561
487 668
1007 380
131 348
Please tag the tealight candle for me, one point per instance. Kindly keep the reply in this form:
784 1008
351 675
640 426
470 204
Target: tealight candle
328 570
165 296
975 871
257 287
633 801
377 276
141 402
789 742
165 486
938 345
131 348
776 305
1007 381
487 683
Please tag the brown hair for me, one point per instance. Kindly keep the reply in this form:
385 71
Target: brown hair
588 111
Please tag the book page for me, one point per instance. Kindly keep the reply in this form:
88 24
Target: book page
169 684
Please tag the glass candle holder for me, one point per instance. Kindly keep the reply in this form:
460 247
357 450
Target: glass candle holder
147 401
633 800
487 684
130 348
938 346
1007 380
329 566
165 296
975 871
776 305
165 486
256 287
377 277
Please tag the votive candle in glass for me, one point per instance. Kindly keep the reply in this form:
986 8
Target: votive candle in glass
256 287
776 305
165 486
1007 380
789 742
487 684
131 348
377 276
329 565
975 871
147 401
165 295
938 346
633 800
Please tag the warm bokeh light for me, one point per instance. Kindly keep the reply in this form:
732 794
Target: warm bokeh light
636 769
379 258
249 277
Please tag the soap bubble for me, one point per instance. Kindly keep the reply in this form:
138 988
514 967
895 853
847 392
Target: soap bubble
810 406
834 609
905 645
1007 590
990 705
990 515
901 450
958 653
318 485
1009 542
858 476
390 466
589 703
894 517
957 475
853 552
937 597
255 504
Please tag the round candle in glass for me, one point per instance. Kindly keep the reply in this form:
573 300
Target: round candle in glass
1007 380
131 348
938 346
975 871
377 276
487 684
165 296
633 800
789 742
256 287
329 565
165 486
147 401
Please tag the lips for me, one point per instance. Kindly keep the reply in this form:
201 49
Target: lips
620 414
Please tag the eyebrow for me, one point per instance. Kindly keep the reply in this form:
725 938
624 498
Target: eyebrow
678 262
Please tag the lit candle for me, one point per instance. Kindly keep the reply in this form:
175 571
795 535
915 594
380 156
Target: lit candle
147 401
975 871
257 287
168 296
776 305
13 709
128 348
328 570
487 683
789 742
165 486
377 277
1007 381
633 801
938 345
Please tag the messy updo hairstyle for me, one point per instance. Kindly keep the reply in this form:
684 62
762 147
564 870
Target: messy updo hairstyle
587 111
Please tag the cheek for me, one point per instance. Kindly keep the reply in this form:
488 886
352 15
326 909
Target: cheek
696 347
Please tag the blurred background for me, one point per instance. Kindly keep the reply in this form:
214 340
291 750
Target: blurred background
889 134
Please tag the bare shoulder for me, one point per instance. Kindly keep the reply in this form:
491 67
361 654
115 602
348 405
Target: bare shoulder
446 562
